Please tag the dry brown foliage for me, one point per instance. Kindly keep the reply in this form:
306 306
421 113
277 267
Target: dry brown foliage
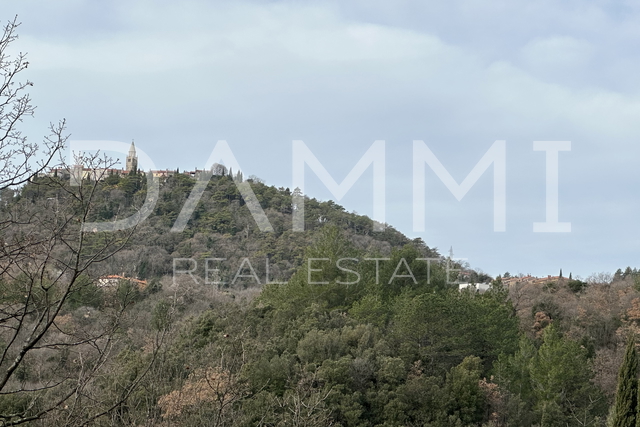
540 321
212 385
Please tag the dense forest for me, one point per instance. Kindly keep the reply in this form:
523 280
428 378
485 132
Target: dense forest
382 339
221 324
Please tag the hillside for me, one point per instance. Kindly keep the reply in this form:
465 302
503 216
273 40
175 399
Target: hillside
221 225
378 339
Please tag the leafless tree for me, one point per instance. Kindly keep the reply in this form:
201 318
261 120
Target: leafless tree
51 350
210 394
54 348
304 405
20 159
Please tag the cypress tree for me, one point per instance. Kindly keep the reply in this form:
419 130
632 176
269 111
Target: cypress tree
626 404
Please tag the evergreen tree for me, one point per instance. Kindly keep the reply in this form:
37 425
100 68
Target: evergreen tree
627 272
560 273
626 404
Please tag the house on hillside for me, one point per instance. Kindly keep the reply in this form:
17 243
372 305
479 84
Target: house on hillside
529 279
479 287
112 281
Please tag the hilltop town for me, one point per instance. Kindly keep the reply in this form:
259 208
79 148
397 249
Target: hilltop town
79 172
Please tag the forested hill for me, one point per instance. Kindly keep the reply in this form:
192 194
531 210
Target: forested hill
220 227
354 328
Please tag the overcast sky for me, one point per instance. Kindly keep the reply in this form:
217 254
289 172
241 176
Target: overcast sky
458 74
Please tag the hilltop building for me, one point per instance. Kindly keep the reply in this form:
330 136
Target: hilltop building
132 159
528 279
77 173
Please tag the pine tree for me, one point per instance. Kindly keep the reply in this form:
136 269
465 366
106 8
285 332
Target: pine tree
626 404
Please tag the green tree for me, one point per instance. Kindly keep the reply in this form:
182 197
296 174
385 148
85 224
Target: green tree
626 404
561 379
551 386
466 400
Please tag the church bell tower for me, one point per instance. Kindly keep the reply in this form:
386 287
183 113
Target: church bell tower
132 159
